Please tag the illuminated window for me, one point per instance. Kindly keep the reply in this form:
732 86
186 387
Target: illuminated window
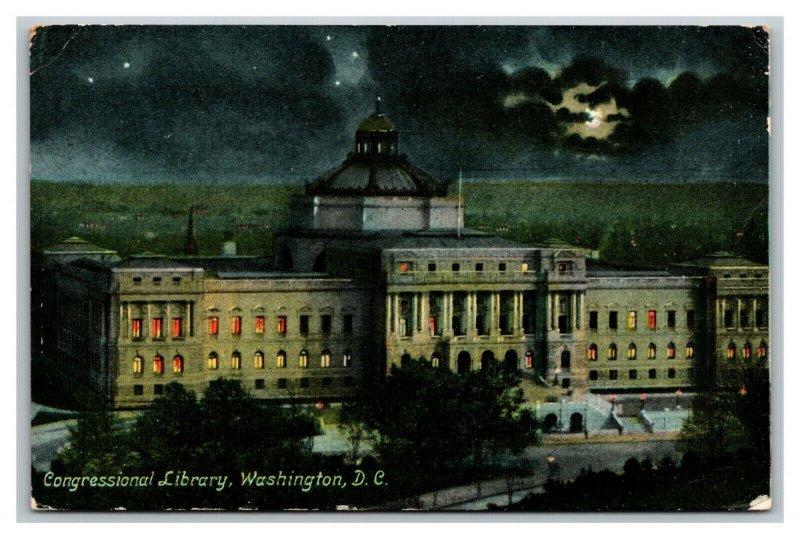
528 359
689 350
762 350
524 267
631 320
612 351
177 327
435 358
158 365
282 325
177 364
731 353
259 324
651 351
280 359
236 325
136 328
432 325
303 361
157 328
747 350
304 324
591 352
213 325
258 360
325 358
631 351
325 323
651 319
404 267
138 365
671 351
347 358
213 361
236 361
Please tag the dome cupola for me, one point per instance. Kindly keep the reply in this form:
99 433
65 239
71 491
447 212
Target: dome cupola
376 135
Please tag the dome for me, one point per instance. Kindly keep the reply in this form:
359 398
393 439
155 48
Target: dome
376 122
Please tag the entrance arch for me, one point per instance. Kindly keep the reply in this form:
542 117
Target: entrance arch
511 360
405 359
550 423
464 362
321 263
576 422
487 359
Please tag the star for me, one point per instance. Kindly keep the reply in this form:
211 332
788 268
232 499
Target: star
355 54
126 65
91 80
338 83
328 38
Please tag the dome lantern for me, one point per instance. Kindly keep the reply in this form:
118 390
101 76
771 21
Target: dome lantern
376 135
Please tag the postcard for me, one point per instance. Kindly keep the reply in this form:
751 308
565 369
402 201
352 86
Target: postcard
388 268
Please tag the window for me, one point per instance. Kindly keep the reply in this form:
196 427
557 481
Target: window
651 351
613 374
593 375
325 358
347 358
747 350
565 267
158 389
137 281
565 359
761 318
612 320
671 319
236 325
327 381
158 365
651 319
138 390
303 360
432 325
501 266
592 319
304 382
157 281
260 383
138 365
435 358
671 373
304 324
456 266
731 353
176 281
213 326
325 323
258 360
281 325
347 324
632 374
213 361
744 317
762 350
136 328
236 361
523 267
404 267
157 327
282 383
612 351
528 359
631 320
177 328
431 267
177 364
726 275
690 318
591 352
651 374
729 322
260 324
566 382
479 266
689 350
631 351
671 351
280 359
349 381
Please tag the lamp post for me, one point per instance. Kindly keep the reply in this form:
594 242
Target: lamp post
550 462
613 400
557 372
743 391
642 399
665 418
678 394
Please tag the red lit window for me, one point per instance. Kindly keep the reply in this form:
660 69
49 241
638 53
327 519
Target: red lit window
747 351
213 326
651 319
177 327
236 325
157 327
177 364
731 351
591 352
158 365
282 325
670 351
432 325
136 328
404 267
259 324
762 350
528 359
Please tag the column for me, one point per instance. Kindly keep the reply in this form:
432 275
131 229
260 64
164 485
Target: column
753 314
448 307
166 328
556 310
149 327
189 319
722 313
415 313
517 317
573 307
127 330
388 314
549 308
468 321
738 313
396 313
424 312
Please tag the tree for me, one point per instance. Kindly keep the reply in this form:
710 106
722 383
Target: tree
354 427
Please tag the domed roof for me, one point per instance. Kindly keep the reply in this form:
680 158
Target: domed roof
376 122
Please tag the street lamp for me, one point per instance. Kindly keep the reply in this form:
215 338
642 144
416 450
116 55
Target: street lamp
743 391
678 394
557 372
550 462
642 399
613 400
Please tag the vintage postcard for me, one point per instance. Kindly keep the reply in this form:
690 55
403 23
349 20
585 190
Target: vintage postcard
385 268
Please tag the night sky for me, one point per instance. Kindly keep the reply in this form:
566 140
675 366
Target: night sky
228 104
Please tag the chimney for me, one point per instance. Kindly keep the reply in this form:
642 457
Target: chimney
229 245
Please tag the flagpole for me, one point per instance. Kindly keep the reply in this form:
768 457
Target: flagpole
459 204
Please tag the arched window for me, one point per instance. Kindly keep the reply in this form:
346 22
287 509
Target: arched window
303 361
258 360
435 359
762 350
280 359
213 361
747 350
612 351
158 365
651 351
138 365
325 358
405 359
671 351
689 350
236 361
565 359
591 352
177 364
631 351
347 358
528 359
731 353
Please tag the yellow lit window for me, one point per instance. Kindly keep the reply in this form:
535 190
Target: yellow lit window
651 351
632 351
258 360
280 360
325 358
213 361
690 350
138 364
303 360
524 267
631 319
236 361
